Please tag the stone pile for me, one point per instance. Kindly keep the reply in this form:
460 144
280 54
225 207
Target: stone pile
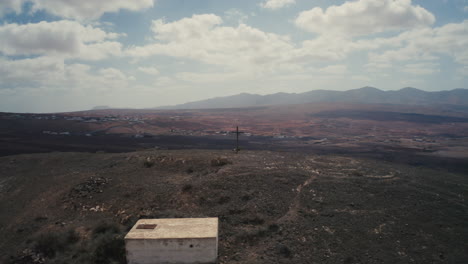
89 187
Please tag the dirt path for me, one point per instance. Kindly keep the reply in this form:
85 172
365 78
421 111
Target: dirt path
295 204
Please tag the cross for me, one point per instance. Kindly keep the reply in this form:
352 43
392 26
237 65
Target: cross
237 149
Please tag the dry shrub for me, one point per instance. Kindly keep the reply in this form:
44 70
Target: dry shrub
149 162
218 162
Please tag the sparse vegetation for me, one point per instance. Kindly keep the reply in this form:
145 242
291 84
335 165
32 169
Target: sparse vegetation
187 188
357 173
108 248
254 221
274 207
283 251
218 162
149 162
105 228
50 244
252 236
347 175
224 199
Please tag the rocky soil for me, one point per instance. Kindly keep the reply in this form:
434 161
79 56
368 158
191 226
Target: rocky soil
274 207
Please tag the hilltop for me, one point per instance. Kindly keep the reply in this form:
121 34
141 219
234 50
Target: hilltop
274 207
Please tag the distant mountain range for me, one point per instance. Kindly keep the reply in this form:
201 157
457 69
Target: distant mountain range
367 95
101 107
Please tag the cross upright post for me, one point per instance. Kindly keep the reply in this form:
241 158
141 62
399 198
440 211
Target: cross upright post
237 149
237 138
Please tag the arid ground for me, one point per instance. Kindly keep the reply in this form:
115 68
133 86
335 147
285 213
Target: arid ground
329 186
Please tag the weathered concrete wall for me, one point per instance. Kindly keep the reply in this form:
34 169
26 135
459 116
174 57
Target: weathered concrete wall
145 251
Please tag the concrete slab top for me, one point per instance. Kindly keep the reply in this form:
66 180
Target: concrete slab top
174 228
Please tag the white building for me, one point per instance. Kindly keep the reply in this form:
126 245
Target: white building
184 240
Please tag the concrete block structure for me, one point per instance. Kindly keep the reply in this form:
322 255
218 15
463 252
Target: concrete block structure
181 240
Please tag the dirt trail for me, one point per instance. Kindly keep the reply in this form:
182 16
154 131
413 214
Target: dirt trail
291 215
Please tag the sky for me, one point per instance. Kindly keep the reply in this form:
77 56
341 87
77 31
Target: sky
68 55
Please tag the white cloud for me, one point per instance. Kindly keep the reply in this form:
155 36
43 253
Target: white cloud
60 38
73 9
99 51
463 71
411 82
364 17
243 48
421 68
202 38
236 15
426 44
89 9
465 9
420 49
277 4
112 74
29 72
215 77
334 70
328 48
361 78
165 81
149 70
186 28
377 66
48 73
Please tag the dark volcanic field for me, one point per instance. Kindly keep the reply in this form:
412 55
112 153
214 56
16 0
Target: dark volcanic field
24 142
391 116
274 206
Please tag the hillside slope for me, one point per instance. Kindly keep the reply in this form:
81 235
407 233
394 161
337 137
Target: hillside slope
274 207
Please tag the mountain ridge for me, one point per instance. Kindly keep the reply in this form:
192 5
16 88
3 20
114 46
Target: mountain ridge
367 94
